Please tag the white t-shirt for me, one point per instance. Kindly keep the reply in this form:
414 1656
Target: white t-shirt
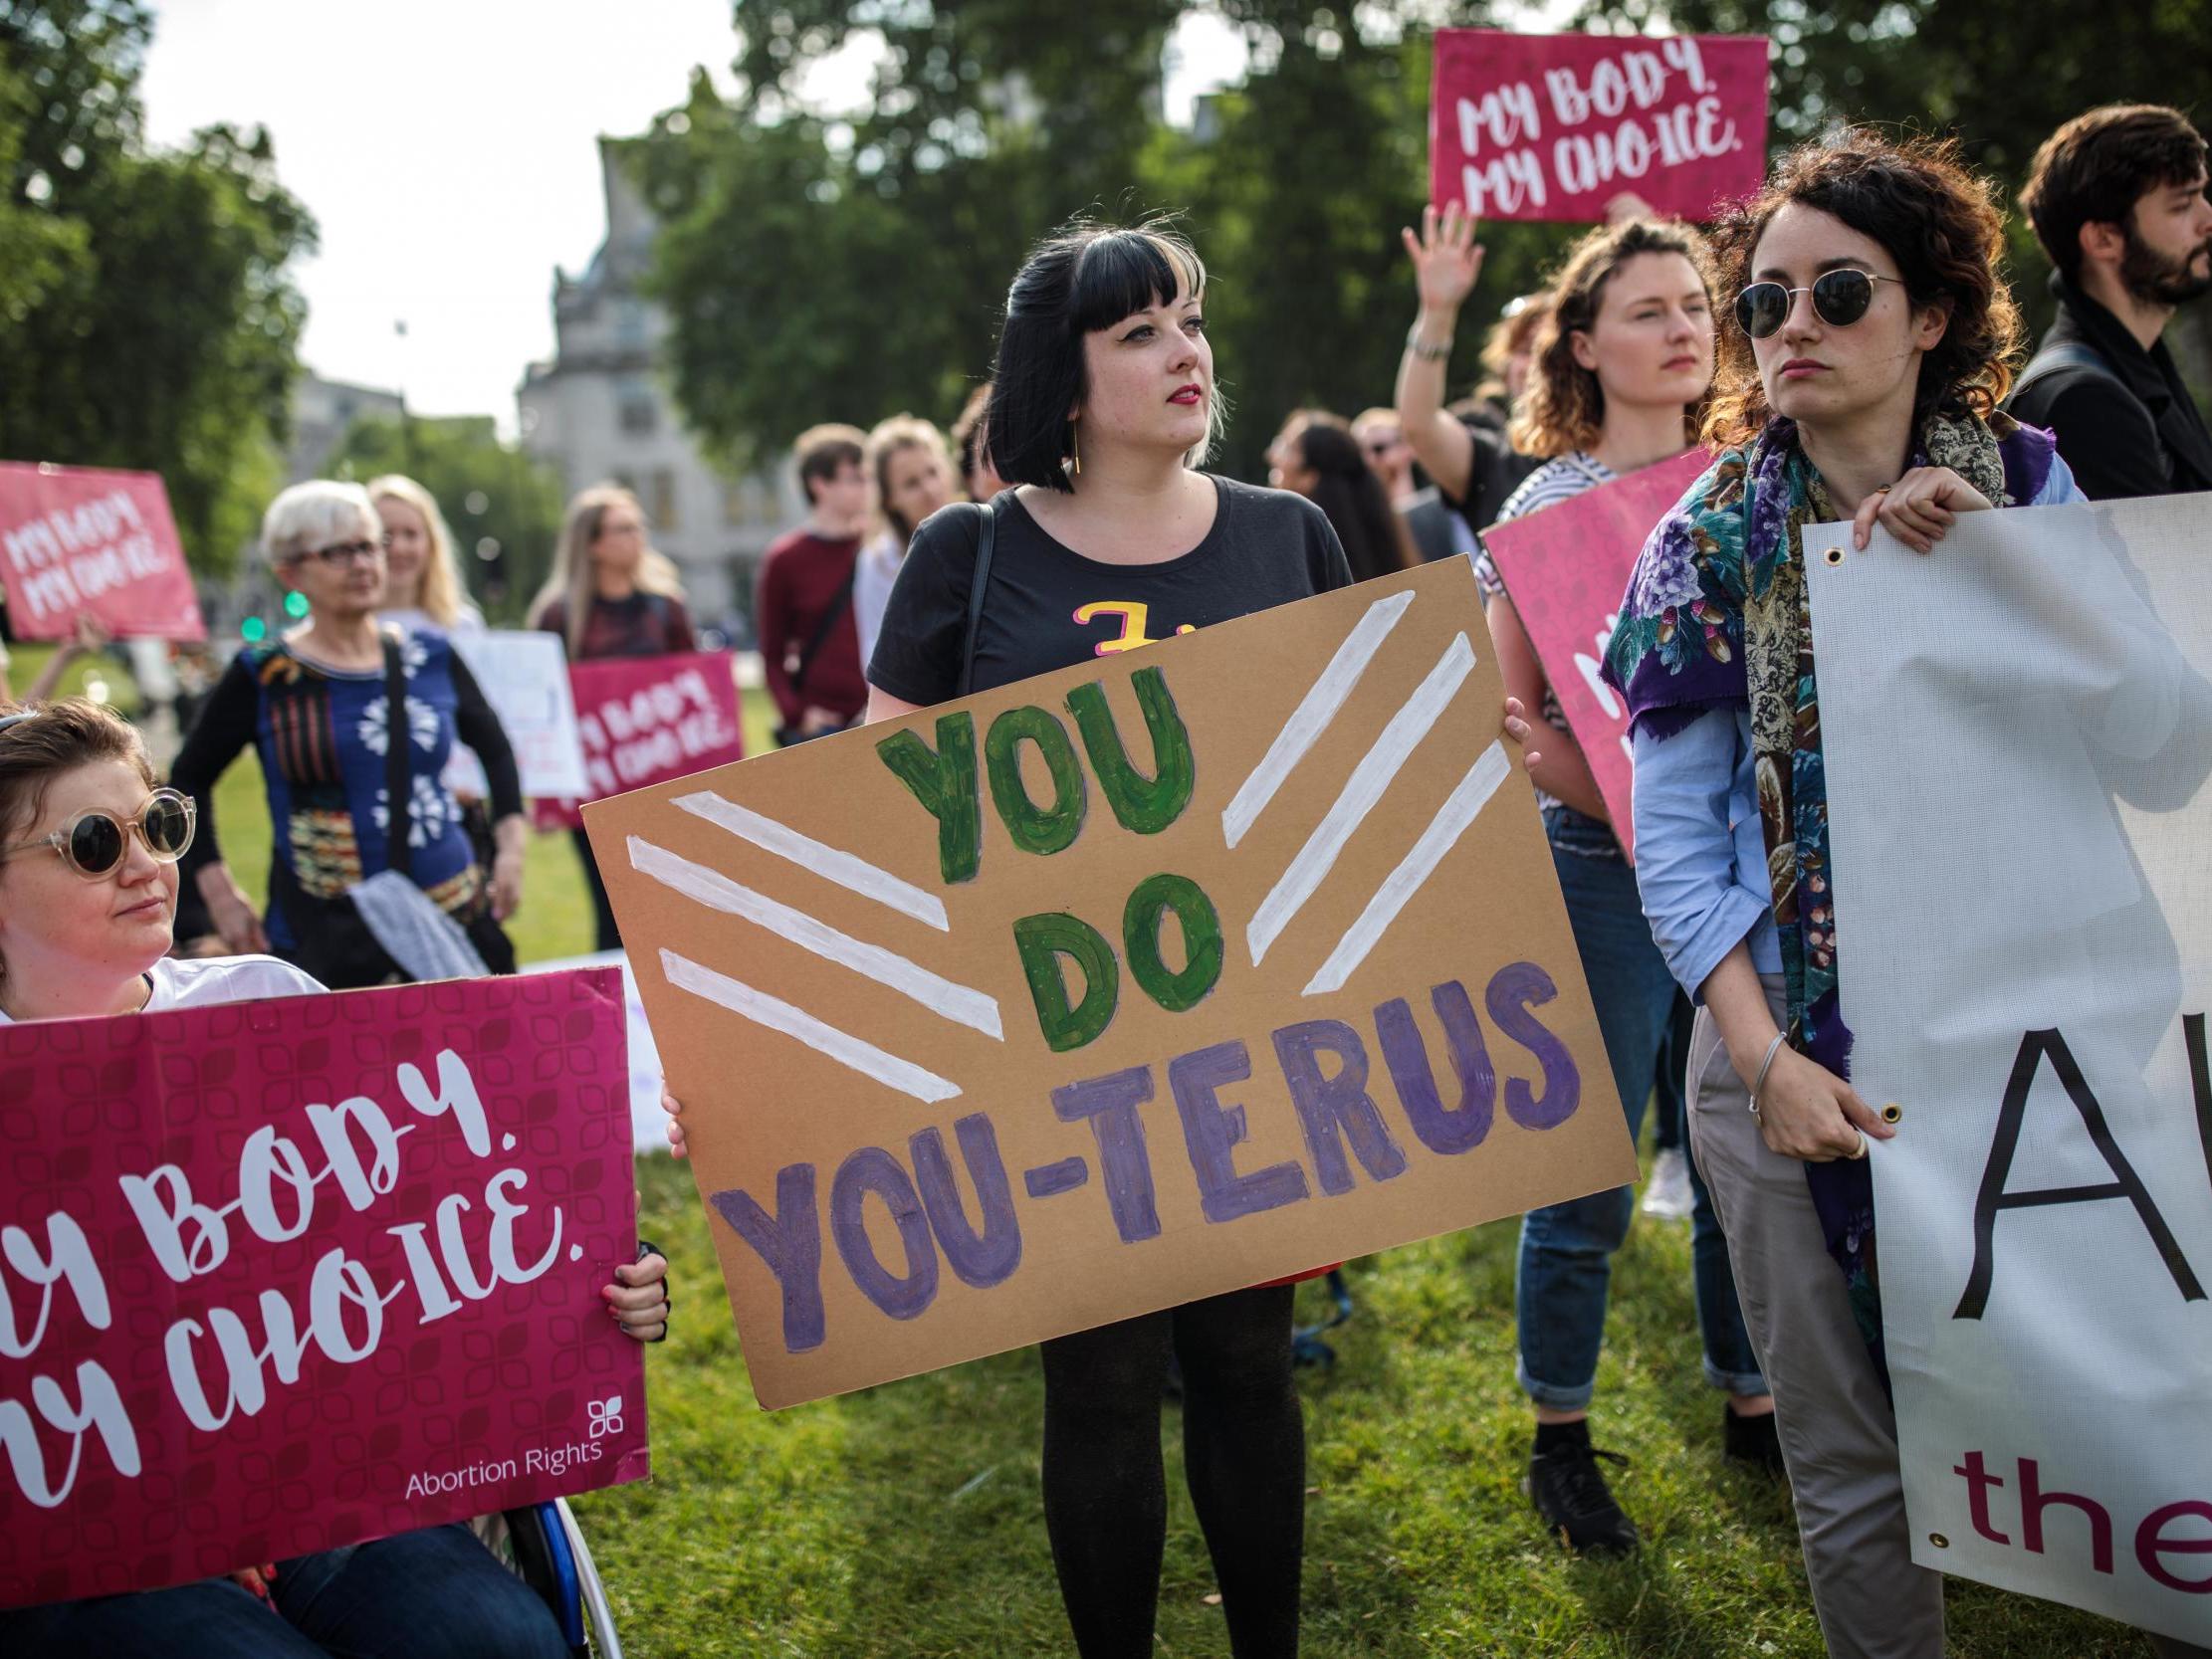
872 580
211 979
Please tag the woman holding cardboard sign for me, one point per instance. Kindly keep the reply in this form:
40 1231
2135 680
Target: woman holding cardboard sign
89 860
1103 403
1861 379
1622 367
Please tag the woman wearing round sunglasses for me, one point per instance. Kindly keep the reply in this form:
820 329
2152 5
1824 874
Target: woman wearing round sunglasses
317 707
1861 381
89 851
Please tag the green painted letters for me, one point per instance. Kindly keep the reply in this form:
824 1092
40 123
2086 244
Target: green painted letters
1043 941
945 783
1034 829
1202 940
1145 805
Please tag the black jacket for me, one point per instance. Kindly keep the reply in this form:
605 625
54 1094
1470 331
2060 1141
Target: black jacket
2133 432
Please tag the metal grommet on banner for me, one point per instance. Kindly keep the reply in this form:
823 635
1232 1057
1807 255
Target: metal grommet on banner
1893 1112
1835 555
1939 1540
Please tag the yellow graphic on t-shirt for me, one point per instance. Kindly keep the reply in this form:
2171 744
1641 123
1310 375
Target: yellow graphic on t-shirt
1132 617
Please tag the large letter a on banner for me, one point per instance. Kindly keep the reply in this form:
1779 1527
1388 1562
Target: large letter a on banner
2126 1184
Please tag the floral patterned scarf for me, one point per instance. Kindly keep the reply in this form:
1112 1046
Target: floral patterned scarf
1717 615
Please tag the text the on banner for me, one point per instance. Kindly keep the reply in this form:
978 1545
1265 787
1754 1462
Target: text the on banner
281 1275
1554 126
1133 983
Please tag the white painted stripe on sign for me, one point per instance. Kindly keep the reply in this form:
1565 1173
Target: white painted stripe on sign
841 1046
1312 715
1459 810
857 875
959 1003
1377 766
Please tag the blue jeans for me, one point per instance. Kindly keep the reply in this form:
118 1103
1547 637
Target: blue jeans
435 1593
1566 1266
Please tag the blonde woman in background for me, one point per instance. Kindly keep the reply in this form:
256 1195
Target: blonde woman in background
610 595
422 581
910 475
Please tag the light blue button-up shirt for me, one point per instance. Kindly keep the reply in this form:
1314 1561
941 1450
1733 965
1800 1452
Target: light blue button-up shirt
1700 854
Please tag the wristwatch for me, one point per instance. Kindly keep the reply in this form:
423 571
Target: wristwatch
1422 348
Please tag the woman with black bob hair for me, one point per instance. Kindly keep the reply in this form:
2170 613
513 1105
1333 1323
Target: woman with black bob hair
1103 405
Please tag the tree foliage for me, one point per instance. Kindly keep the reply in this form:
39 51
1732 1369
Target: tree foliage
503 507
881 241
844 267
145 318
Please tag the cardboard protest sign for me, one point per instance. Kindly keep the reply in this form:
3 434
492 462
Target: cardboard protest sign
1565 570
2018 734
1130 984
280 1276
1554 126
85 541
524 676
646 718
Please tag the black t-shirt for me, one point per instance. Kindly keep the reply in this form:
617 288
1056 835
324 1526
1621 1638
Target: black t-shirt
1049 607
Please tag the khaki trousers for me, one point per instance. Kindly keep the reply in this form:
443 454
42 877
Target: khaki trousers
1838 1437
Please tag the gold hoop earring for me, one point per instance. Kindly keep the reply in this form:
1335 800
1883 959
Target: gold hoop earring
1075 450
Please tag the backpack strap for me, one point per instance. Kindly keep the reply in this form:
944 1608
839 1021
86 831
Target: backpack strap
2061 354
398 780
987 525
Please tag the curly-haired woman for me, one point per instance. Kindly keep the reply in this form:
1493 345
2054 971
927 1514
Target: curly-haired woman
1861 380
1618 379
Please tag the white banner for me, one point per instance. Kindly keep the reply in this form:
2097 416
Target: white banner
524 676
2017 732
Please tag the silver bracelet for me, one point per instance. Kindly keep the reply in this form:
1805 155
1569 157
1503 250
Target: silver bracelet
1420 347
1765 1065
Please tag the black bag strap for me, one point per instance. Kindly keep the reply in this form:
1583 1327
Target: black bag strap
987 526
398 786
839 603
2064 355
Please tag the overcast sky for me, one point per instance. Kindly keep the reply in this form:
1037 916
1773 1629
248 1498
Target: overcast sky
447 150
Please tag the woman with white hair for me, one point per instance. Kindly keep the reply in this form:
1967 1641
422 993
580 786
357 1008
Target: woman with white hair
355 789
422 579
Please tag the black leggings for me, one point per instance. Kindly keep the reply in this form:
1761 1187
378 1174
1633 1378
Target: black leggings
1244 1453
605 935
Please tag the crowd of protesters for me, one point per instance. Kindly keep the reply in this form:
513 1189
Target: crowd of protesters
1846 346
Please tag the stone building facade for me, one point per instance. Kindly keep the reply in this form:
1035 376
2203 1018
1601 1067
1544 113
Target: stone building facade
601 409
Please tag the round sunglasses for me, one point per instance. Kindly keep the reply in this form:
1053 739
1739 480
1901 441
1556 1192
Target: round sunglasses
1840 299
94 842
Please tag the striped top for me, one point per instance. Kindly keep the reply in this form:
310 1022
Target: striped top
1559 479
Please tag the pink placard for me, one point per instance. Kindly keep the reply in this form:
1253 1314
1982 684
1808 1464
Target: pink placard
646 720
85 541
280 1276
1565 570
1554 126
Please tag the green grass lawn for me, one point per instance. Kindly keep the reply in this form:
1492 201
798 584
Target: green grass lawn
906 1520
